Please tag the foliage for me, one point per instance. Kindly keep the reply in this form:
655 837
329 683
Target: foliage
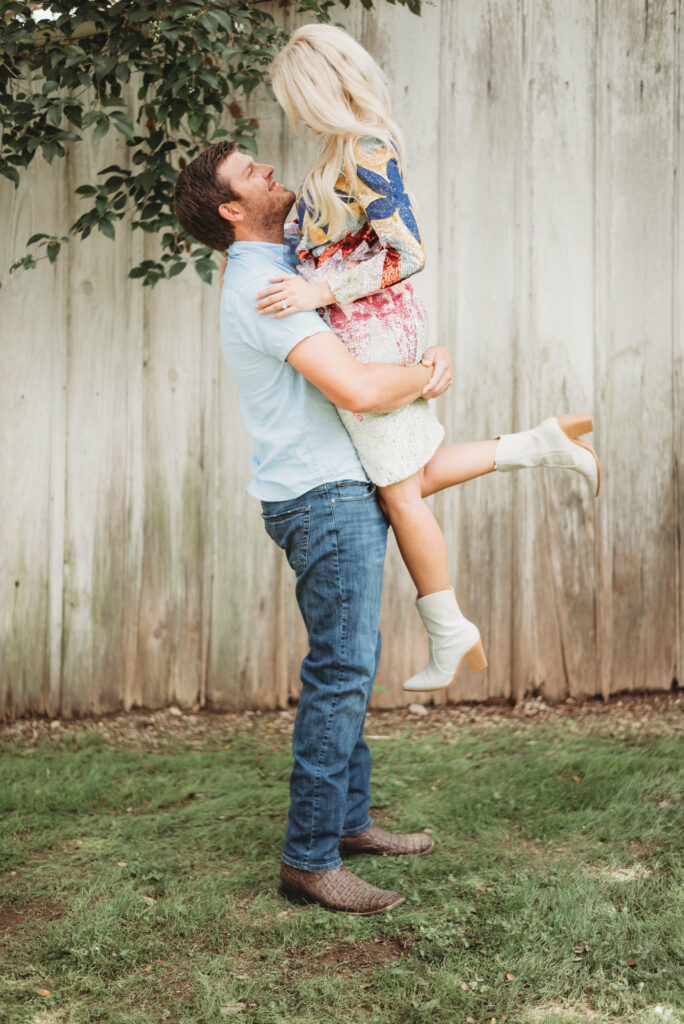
66 77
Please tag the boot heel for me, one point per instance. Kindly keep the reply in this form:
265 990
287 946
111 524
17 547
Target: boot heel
575 423
476 658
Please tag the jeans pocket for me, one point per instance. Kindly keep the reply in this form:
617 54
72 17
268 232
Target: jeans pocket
290 531
354 490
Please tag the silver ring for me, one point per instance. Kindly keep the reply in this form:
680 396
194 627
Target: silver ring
283 303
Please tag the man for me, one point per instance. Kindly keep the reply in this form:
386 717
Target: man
317 505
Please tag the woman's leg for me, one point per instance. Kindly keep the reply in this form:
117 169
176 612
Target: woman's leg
418 534
456 463
424 550
555 442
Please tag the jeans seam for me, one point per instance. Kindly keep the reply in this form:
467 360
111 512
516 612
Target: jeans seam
358 831
301 866
335 695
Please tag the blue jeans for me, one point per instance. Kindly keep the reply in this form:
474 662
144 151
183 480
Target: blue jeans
335 538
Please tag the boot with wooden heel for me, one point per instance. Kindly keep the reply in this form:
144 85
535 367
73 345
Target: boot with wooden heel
452 638
556 442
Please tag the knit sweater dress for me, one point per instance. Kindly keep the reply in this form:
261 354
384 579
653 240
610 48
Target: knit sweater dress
376 312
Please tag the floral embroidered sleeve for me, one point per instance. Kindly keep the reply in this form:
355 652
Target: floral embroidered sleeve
377 190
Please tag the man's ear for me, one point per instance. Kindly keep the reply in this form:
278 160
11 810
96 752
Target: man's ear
231 212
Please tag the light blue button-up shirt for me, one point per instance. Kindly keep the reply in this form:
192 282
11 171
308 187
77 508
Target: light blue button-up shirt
298 440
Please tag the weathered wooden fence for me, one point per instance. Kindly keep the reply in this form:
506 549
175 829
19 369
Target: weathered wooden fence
544 141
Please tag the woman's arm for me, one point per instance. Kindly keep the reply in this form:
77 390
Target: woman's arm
378 186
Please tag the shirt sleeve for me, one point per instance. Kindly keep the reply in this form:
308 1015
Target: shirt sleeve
272 337
378 186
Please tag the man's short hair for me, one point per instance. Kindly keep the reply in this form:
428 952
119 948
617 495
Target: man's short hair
198 195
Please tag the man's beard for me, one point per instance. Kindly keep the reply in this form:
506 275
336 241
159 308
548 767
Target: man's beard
268 217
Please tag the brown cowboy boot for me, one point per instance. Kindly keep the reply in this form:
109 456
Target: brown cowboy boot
378 840
337 889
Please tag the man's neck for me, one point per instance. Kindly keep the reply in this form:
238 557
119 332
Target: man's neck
275 236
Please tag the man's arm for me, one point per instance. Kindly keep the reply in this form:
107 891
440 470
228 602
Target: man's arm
365 387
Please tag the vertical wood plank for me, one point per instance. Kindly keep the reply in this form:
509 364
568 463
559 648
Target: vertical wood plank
169 651
555 515
102 486
32 365
634 344
678 335
480 142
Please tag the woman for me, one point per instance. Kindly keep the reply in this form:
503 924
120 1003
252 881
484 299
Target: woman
359 243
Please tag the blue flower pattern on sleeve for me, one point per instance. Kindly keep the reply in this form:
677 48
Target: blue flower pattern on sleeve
393 194
381 244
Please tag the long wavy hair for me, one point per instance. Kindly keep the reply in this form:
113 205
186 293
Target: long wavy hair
324 78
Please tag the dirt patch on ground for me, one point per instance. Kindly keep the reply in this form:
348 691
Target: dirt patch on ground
14 918
345 958
554 1013
202 728
629 873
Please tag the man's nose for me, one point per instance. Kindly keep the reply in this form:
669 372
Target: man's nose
266 170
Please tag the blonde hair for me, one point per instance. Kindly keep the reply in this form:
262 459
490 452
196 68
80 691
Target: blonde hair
326 79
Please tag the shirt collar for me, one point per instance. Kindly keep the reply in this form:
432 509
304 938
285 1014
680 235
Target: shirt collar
267 248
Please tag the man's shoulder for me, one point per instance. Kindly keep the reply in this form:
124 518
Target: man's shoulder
241 322
238 297
240 281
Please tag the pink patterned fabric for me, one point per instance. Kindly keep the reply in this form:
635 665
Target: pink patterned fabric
389 326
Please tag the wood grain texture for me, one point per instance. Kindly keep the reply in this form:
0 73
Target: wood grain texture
678 336
554 622
169 651
102 487
33 336
633 348
543 141
480 146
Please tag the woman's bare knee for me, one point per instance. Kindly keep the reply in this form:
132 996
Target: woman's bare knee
397 498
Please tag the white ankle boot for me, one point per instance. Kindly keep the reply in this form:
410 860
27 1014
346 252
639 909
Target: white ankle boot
452 638
555 442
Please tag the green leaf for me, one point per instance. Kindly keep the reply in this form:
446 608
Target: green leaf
10 172
223 19
36 238
107 228
101 128
25 262
52 251
103 66
209 21
123 123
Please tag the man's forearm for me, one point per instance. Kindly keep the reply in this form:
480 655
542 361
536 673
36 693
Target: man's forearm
387 387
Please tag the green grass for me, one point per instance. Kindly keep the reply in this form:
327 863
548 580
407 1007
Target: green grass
141 885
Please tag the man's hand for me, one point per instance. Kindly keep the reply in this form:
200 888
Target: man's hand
292 294
440 359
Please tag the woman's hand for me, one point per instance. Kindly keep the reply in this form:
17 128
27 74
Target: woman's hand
292 294
442 368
